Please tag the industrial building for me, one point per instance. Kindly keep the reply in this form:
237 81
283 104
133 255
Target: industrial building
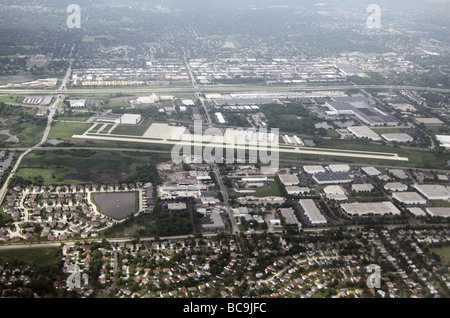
433 191
313 169
417 211
364 132
441 212
335 192
289 217
377 208
220 118
332 177
294 190
371 171
409 198
364 187
339 168
395 187
312 212
398 137
289 179
361 108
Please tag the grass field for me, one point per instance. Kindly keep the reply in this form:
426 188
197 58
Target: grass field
32 256
259 193
61 130
444 253
83 166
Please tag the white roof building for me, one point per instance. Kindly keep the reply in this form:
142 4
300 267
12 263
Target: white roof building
409 198
395 186
371 171
339 168
442 212
313 169
312 212
433 191
377 208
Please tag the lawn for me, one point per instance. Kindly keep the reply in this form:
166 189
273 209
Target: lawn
444 253
61 130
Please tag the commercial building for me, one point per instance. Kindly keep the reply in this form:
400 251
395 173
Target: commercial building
409 198
433 191
444 140
339 168
77 103
398 137
216 223
441 212
364 187
130 119
335 192
361 108
294 190
371 171
220 118
332 177
312 212
289 217
363 209
313 169
429 122
417 211
395 187
289 179
364 132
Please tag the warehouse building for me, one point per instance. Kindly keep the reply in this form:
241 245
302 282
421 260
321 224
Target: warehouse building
398 137
364 187
417 211
313 169
312 212
332 178
395 187
441 212
130 119
289 179
433 191
364 132
339 168
371 171
409 198
294 190
335 192
364 209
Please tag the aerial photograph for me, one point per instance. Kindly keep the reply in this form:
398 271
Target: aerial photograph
224 154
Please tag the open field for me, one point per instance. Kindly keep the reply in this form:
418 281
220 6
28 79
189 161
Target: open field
64 130
43 256
84 166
